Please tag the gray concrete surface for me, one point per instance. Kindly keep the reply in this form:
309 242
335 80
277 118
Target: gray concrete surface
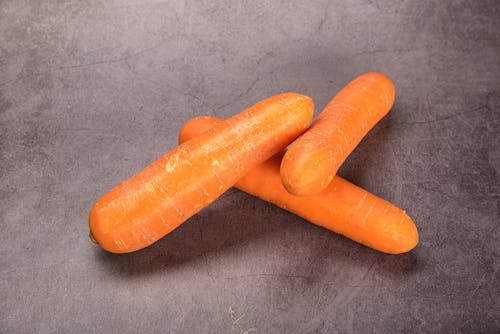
92 91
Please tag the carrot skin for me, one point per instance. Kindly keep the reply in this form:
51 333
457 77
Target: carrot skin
342 207
152 203
313 159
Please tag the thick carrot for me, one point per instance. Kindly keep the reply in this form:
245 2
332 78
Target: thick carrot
313 160
144 208
342 207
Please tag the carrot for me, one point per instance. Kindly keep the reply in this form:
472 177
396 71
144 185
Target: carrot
144 208
312 160
342 207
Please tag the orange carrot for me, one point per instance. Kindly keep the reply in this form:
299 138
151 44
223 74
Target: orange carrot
342 207
313 160
144 208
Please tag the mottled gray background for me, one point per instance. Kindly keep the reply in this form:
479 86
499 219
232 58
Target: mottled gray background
92 91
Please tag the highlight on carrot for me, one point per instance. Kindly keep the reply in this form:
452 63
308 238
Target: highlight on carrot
147 206
342 207
313 159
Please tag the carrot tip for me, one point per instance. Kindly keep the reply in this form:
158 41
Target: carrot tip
91 237
309 175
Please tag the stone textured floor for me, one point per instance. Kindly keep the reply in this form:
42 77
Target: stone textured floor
92 91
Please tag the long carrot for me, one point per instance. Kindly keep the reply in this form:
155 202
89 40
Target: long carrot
312 160
144 208
342 207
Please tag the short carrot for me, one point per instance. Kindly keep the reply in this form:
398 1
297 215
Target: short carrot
147 206
342 207
313 160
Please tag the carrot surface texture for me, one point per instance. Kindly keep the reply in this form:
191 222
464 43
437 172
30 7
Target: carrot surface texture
147 206
313 159
342 207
